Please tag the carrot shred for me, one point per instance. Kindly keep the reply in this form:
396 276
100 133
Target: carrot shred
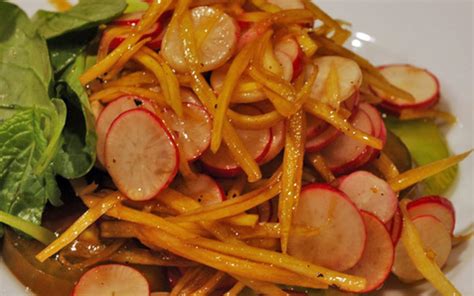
112 93
235 290
319 164
409 114
255 122
265 6
133 79
262 288
292 173
385 165
81 224
413 176
125 58
427 267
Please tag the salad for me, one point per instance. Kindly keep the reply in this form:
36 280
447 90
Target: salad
215 147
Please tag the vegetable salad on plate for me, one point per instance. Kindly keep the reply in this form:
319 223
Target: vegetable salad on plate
214 147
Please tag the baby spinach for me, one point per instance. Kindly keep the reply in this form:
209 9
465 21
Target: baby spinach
77 152
85 15
426 144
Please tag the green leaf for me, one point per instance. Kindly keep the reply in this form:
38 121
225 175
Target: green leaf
426 144
135 6
24 193
63 50
25 70
85 15
77 152
35 231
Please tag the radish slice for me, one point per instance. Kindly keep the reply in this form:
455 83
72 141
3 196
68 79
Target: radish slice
188 96
290 56
112 279
349 74
396 226
203 189
371 194
436 241
257 142
110 112
379 129
322 140
344 153
377 258
287 4
192 132
277 142
341 241
214 51
140 154
422 84
436 206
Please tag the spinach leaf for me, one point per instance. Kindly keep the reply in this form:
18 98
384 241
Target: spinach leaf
77 152
87 14
426 144
24 193
63 50
25 70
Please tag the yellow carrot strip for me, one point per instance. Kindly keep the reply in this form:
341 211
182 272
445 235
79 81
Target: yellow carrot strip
325 113
331 87
282 105
305 90
340 35
317 161
393 93
465 236
253 17
206 27
102 256
81 224
427 267
385 165
265 6
211 284
262 288
409 114
125 58
292 172
235 290
158 238
273 82
254 122
249 220
292 16
188 276
112 93
307 45
133 79
149 18
231 207
413 176
107 38
236 69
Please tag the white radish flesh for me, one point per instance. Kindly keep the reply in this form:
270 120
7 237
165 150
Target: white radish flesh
140 154
111 112
192 132
379 129
112 279
345 153
257 142
436 206
436 241
420 83
377 259
371 194
289 55
203 189
214 51
341 239
348 73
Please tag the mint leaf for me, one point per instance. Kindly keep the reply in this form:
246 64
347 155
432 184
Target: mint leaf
22 192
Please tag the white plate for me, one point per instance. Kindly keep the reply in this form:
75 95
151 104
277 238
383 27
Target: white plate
437 35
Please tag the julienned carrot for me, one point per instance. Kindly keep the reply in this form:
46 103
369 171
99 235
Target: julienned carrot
385 165
292 174
413 176
427 267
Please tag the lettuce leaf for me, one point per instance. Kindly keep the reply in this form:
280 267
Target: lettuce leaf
426 144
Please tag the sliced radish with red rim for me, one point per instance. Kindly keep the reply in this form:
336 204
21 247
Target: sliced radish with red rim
129 19
348 72
192 132
377 258
396 226
290 56
277 142
111 112
257 142
345 153
216 48
340 243
436 241
140 154
436 206
112 279
203 189
371 194
422 84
